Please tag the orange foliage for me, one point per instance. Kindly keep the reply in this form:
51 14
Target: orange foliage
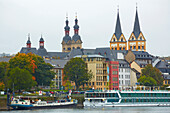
33 77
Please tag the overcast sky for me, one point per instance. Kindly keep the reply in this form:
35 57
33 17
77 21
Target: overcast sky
97 19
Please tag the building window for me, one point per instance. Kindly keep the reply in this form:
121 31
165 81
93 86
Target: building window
114 72
73 48
124 48
115 79
115 48
134 47
122 40
132 38
114 40
142 47
63 48
165 82
130 47
78 47
120 48
138 47
69 48
122 76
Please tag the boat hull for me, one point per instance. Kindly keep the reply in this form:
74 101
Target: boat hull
24 107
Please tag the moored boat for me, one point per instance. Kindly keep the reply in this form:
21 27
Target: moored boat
116 98
19 103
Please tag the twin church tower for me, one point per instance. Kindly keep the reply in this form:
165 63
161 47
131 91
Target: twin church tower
75 42
136 41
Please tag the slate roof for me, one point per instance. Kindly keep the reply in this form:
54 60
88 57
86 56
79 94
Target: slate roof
28 50
58 63
142 55
2 59
76 37
166 77
76 26
118 30
62 55
42 52
136 29
66 38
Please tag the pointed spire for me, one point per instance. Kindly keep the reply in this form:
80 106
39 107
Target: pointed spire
118 30
28 41
76 27
67 28
136 29
41 39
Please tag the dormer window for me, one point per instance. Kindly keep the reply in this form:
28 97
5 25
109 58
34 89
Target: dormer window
141 38
114 40
132 38
122 40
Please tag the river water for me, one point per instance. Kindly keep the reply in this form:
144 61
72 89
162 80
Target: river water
98 110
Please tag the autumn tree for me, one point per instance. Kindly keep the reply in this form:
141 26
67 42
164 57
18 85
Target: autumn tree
153 72
75 71
41 71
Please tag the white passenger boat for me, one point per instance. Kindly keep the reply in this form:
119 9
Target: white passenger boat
115 98
19 103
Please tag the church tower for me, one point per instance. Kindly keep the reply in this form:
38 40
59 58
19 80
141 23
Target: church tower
76 42
137 41
66 43
118 41
28 42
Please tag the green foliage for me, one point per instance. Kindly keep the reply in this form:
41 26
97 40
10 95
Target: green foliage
150 71
3 70
75 70
21 78
147 81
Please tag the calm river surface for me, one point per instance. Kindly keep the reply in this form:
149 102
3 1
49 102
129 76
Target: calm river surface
98 110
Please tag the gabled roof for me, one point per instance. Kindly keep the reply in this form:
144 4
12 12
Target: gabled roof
136 29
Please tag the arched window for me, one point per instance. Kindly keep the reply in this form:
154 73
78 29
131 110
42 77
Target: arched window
69 48
130 47
73 48
122 40
63 48
120 48
78 47
115 48
138 47
114 40
134 47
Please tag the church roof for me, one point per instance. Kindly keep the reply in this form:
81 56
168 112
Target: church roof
66 38
118 30
42 52
136 29
76 37
28 50
41 39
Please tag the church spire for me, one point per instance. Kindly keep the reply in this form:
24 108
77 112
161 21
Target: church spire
28 41
67 28
118 30
41 42
136 29
76 27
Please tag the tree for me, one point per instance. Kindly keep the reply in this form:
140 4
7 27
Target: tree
20 78
147 81
3 70
150 71
75 71
35 65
